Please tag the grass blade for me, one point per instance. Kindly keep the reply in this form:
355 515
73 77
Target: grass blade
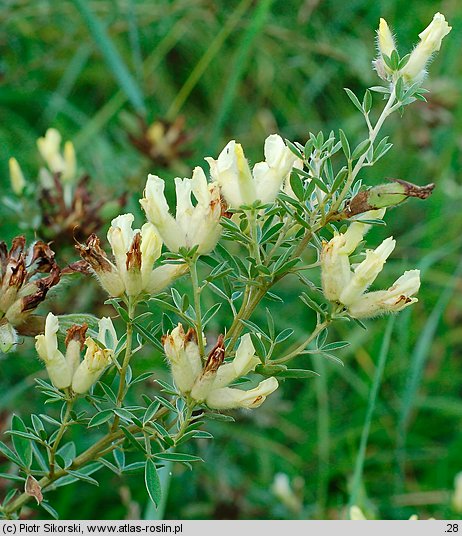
111 56
359 466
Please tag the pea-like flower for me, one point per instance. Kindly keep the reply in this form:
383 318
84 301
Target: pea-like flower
67 370
430 42
349 287
193 225
26 276
241 186
209 384
135 252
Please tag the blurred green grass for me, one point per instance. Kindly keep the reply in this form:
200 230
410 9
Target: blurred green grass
244 70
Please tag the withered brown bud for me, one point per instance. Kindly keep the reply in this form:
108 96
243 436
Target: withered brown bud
133 261
64 220
216 356
76 333
92 253
163 141
29 303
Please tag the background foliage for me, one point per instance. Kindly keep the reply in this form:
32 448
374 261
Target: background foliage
244 70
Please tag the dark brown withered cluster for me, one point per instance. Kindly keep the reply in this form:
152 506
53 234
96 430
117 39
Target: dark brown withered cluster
163 141
26 276
62 221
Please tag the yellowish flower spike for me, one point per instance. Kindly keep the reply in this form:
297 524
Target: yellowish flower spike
241 186
192 225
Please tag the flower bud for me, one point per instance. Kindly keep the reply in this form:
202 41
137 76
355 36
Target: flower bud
430 42
8 337
94 363
58 369
385 39
17 180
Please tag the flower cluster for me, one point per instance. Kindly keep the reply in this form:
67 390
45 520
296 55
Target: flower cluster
241 186
349 287
135 252
68 371
209 384
23 286
412 68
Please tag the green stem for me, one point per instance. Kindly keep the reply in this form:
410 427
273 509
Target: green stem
61 432
125 362
303 345
359 164
102 447
186 421
197 304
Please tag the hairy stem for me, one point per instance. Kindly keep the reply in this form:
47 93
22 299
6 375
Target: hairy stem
197 305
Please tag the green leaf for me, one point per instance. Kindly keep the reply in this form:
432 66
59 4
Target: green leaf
284 335
297 186
177 457
48 508
82 476
151 411
22 445
132 439
367 101
15 478
166 403
100 418
353 98
8 453
210 314
362 148
152 482
345 144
